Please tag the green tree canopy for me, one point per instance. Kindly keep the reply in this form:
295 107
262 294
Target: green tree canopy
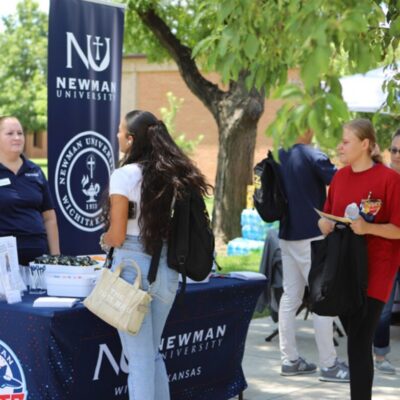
252 45
267 38
23 67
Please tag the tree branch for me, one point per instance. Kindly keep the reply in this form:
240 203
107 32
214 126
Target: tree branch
209 93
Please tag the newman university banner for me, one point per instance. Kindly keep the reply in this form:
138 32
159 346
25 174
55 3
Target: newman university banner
84 86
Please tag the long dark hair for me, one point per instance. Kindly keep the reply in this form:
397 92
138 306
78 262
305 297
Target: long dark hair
166 170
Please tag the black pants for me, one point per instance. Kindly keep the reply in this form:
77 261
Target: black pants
360 329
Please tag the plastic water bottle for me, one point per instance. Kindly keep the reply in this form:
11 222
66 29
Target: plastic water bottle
352 211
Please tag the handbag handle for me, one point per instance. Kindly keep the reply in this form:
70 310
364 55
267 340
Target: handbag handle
118 270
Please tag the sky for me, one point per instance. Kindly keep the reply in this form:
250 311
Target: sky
8 7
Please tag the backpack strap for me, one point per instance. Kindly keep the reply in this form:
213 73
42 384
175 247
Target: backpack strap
155 260
182 241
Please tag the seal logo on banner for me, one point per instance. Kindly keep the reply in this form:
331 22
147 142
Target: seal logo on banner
82 173
12 378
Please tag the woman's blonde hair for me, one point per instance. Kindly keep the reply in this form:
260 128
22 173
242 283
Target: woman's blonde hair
364 129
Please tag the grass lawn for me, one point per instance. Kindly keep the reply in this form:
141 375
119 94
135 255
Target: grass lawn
249 262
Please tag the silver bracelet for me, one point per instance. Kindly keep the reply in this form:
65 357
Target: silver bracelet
106 248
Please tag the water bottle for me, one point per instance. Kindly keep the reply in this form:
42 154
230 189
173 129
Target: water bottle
352 211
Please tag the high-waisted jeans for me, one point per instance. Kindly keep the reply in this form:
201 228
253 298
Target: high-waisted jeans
147 378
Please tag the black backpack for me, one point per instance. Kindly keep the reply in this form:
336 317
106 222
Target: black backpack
191 241
338 277
269 194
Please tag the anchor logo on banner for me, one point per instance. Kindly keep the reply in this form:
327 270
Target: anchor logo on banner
98 43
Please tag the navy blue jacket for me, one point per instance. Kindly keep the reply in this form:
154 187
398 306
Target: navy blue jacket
306 172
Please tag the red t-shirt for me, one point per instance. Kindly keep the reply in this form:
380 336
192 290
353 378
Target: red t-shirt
376 183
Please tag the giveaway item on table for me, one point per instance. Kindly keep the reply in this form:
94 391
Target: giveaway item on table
68 264
37 284
246 275
66 275
11 283
79 285
117 302
62 302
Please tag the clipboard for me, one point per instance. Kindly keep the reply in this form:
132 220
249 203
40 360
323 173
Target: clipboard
334 218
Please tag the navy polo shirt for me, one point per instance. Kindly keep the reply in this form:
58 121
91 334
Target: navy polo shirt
306 172
23 198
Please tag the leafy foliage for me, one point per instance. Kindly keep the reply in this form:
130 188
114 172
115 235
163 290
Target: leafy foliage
169 116
23 67
267 38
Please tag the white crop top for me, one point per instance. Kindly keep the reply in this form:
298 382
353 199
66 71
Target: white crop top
127 181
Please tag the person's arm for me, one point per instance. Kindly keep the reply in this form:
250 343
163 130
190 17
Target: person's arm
116 234
387 231
326 226
50 224
324 167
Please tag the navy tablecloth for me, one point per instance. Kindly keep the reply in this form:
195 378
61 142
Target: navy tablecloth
69 354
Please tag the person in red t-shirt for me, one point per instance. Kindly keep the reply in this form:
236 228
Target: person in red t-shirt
375 188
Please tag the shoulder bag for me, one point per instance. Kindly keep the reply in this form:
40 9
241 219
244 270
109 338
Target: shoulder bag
117 302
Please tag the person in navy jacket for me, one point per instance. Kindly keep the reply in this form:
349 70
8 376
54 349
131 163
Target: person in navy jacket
26 207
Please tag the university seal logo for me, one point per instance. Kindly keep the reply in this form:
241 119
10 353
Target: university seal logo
12 378
82 174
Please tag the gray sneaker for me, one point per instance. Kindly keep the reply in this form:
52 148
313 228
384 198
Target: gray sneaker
298 367
339 372
385 367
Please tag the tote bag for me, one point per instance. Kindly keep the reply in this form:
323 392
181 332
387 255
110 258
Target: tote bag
117 302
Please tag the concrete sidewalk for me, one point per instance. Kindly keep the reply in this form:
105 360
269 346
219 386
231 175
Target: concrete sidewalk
261 367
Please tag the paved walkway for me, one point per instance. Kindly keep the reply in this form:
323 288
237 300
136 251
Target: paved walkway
262 367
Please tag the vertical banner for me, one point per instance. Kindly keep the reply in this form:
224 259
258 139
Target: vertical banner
84 86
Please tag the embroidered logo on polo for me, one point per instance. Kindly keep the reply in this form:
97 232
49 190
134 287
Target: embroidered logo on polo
82 173
12 378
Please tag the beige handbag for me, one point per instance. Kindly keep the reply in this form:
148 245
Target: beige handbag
117 302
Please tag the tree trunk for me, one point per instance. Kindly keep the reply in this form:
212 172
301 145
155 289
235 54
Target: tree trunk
237 126
236 111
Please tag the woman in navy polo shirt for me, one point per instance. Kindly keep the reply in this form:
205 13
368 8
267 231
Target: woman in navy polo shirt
26 207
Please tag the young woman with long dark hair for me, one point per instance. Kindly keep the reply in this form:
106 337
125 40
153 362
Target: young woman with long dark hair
375 188
141 192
